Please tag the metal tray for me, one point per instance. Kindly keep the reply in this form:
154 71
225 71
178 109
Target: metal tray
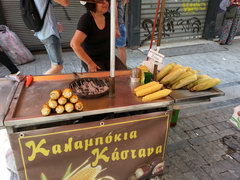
27 102
184 96
7 90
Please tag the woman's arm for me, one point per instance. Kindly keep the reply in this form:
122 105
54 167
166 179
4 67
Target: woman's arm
62 2
77 40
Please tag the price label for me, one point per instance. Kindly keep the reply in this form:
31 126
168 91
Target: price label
155 56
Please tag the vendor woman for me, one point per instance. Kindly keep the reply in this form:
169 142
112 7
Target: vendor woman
91 41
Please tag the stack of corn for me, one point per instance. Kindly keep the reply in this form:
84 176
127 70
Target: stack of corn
151 91
176 76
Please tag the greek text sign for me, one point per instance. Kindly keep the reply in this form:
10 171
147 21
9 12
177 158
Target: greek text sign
115 150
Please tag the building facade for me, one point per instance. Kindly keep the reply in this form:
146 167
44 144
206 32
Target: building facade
184 20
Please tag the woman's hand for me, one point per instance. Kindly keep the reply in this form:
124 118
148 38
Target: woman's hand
92 67
118 34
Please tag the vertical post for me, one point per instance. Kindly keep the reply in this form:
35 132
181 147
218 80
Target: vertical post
112 48
134 21
210 21
162 13
2 19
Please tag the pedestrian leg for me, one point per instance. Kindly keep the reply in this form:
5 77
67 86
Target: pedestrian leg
4 59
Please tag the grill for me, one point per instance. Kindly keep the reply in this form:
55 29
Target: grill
90 87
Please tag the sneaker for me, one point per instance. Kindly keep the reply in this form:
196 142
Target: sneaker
14 77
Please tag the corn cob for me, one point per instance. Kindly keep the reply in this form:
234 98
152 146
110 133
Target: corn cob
185 81
206 84
175 67
172 76
145 86
182 76
201 78
149 90
164 71
193 71
188 69
156 95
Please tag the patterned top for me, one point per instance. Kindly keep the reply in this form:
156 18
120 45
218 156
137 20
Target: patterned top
50 22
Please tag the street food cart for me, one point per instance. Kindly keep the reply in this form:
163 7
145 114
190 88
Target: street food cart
114 137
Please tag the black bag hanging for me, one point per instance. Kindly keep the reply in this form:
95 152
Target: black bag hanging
31 16
231 12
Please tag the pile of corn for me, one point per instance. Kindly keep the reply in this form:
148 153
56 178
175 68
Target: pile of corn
151 91
176 76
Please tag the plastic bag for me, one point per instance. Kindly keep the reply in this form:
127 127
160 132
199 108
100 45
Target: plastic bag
235 119
13 46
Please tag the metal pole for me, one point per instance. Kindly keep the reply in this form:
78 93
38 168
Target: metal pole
162 13
161 21
112 47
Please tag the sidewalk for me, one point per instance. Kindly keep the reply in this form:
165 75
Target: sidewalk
195 150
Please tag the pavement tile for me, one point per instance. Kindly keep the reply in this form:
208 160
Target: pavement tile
198 132
189 124
220 126
207 121
180 133
206 130
170 141
227 175
171 172
197 161
182 125
197 141
191 134
201 174
216 168
226 132
177 146
174 136
212 137
231 165
236 156
226 124
196 123
212 128
179 163
190 176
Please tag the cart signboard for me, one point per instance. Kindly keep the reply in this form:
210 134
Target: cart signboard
117 149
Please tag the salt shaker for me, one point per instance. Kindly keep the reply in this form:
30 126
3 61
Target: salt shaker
135 76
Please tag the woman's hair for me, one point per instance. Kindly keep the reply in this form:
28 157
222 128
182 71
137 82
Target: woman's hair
92 6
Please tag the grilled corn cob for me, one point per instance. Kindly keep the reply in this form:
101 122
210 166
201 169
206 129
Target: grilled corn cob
172 76
175 67
206 84
145 86
200 79
156 95
185 81
164 71
149 90
182 76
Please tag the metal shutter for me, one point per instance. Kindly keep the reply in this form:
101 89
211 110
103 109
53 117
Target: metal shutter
184 19
14 21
